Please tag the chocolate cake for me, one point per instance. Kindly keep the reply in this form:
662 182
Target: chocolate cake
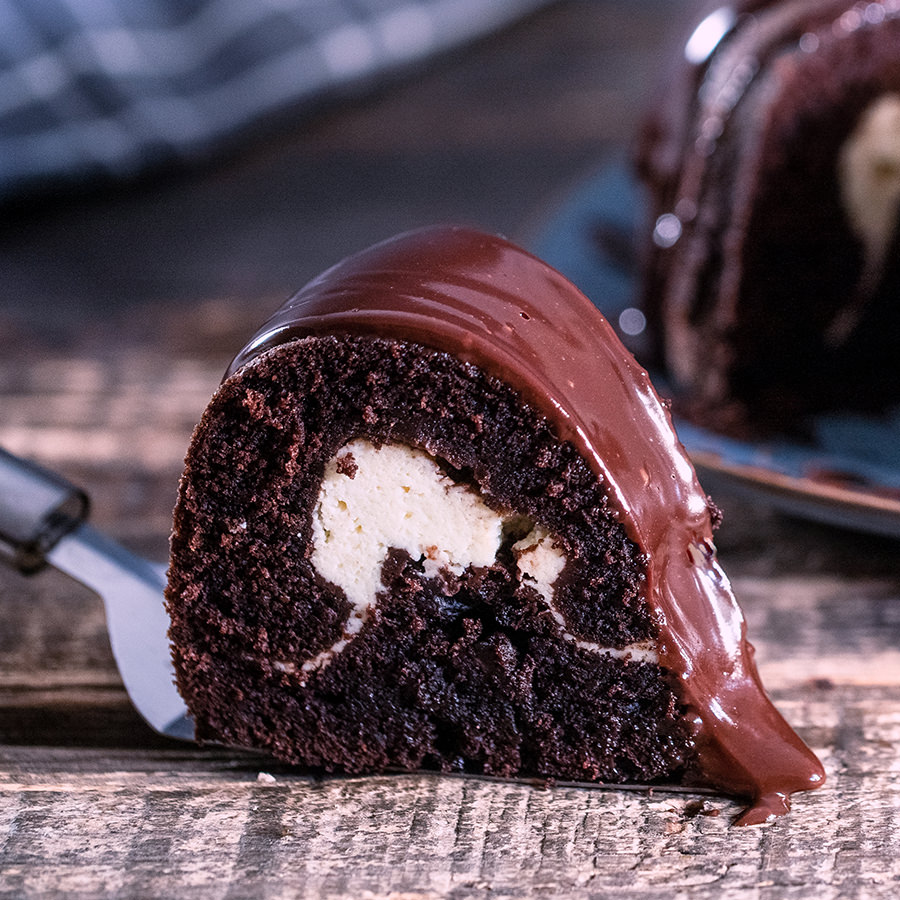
436 517
772 162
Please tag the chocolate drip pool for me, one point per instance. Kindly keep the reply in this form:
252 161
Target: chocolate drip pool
492 304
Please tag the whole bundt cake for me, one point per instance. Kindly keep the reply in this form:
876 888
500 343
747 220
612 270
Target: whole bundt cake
772 165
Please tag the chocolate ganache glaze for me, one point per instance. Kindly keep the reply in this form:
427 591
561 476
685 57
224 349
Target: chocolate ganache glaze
496 306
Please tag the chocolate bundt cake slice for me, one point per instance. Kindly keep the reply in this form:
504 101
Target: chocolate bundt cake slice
436 517
772 161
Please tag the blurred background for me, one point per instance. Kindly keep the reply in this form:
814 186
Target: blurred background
167 150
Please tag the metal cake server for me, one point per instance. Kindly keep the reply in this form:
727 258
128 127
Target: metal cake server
42 522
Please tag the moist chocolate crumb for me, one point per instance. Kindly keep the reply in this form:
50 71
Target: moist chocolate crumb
346 465
470 673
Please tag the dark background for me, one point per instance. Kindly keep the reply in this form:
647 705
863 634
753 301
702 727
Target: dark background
493 134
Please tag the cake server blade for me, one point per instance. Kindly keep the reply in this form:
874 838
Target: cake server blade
42 521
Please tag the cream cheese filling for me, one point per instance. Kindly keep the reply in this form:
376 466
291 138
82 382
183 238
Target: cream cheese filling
869 177
377 498
540 564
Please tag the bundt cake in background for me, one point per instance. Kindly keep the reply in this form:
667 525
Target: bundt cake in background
771 160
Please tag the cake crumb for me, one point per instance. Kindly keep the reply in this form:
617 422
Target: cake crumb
265 778
346 465
699 808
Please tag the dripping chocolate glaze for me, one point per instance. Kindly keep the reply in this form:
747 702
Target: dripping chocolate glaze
490 303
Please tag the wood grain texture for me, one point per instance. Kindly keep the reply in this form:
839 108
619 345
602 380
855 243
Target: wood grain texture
96 823
121 310
93 804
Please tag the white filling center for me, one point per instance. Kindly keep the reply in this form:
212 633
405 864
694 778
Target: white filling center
397 498
869 173
374 499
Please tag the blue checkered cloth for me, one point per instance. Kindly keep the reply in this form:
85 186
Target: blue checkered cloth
108 87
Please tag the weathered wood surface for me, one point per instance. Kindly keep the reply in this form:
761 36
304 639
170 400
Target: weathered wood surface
120 312
92 804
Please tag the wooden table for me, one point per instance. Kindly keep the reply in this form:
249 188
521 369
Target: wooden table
121 308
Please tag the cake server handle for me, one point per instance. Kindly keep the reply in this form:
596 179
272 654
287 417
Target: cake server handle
37 509
42 522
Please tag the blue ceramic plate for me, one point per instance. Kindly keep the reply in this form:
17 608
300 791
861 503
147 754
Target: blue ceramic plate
848 475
